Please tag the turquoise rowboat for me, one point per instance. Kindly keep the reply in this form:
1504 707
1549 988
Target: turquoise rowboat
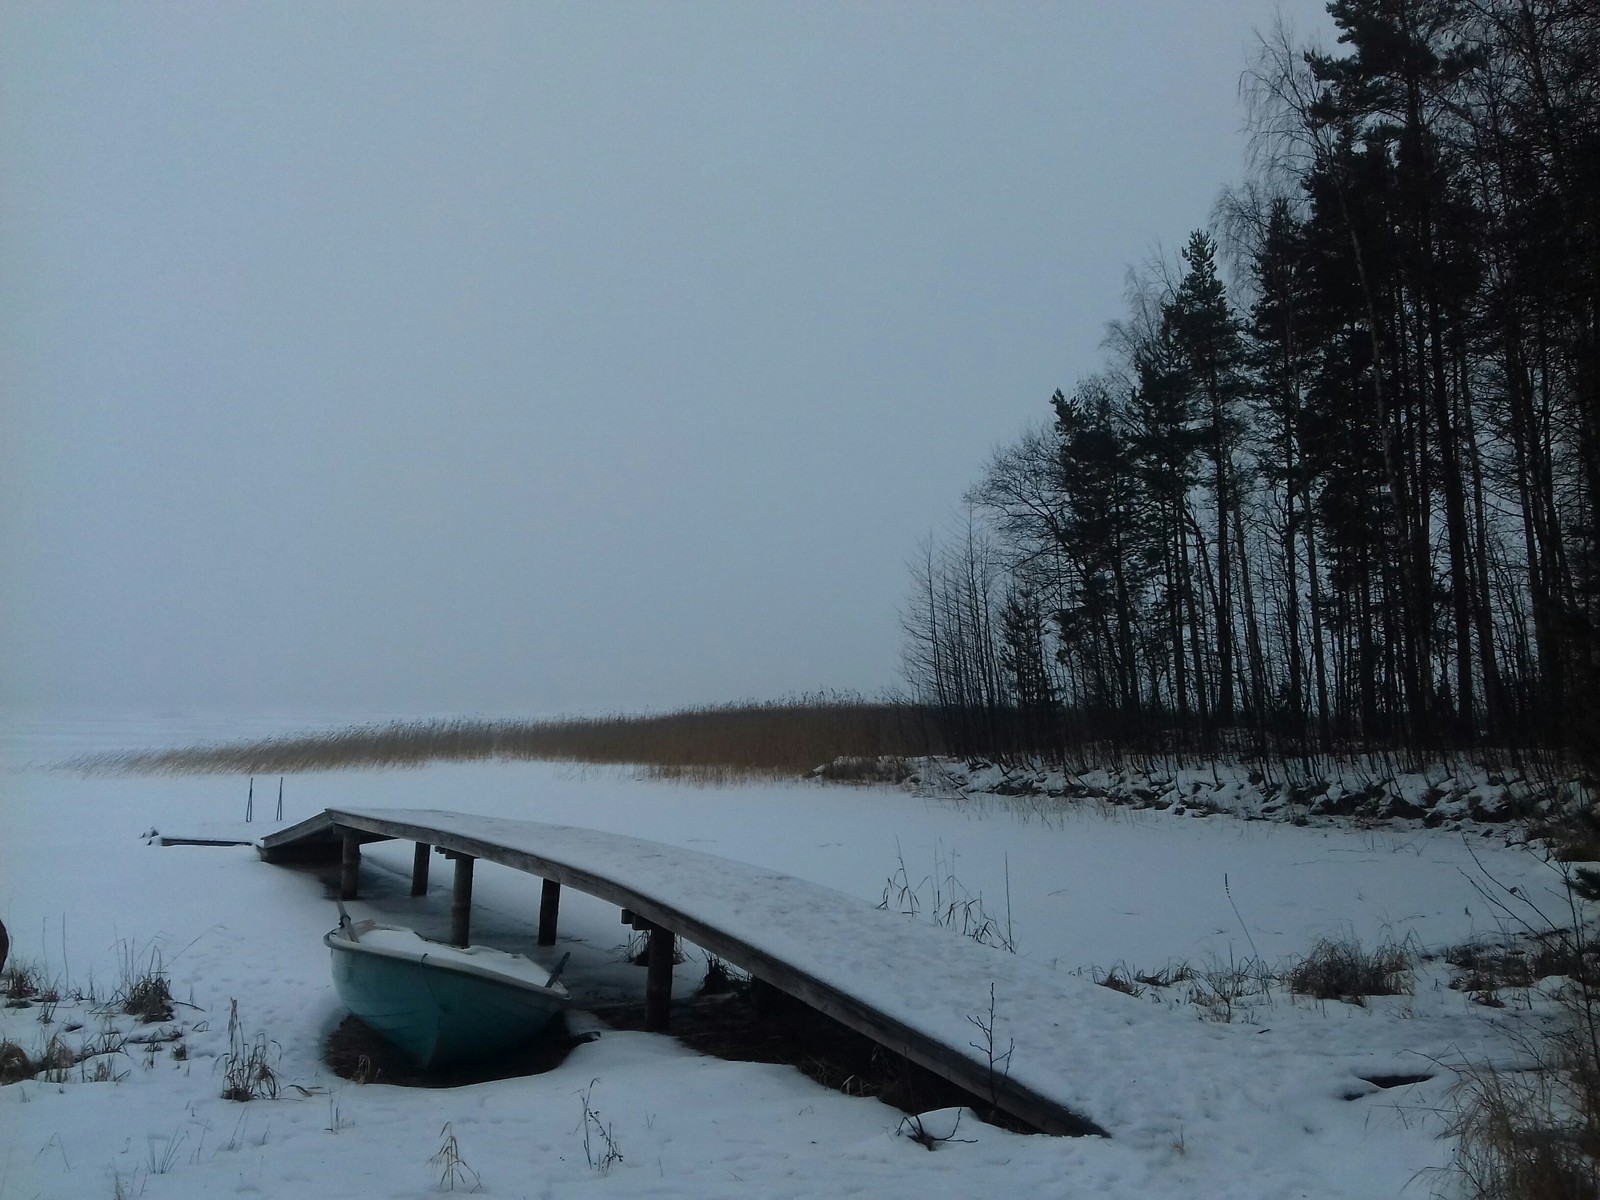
441 1005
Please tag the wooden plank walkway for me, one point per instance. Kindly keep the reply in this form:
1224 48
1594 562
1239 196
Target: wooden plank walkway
920 990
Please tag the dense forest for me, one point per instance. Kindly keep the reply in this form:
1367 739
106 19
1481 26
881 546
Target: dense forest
1335 484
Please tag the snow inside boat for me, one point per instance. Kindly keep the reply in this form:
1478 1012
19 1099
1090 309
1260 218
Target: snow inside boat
441 1005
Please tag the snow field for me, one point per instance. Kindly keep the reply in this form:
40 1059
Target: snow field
1255 1108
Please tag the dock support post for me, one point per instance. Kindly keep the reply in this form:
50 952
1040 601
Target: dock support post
419 869
549 907
461 902
349 866
658 980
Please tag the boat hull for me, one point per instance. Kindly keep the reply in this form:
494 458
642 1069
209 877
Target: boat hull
435 1013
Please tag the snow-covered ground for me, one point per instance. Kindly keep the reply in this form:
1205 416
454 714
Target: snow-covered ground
1081 890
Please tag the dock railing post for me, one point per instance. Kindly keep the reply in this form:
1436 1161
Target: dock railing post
549 907
658 979
419 869
461 901
349 865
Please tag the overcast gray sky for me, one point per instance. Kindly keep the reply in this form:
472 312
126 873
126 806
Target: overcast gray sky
394 357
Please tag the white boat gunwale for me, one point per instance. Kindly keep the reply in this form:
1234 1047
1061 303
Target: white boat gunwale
338 939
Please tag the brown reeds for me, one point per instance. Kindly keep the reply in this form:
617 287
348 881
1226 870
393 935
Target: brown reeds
1534 1134
701 745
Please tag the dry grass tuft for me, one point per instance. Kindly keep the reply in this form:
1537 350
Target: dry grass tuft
1484 967
1180 972
144 991
1571 826
1226 989
1532 1135
1119 979
20 982
15 1065
720 979
149 998
1340 969
855 738
247 1069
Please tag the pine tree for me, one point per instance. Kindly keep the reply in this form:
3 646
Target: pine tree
1102 534
1206 336
1166 443
1284 362
1022 656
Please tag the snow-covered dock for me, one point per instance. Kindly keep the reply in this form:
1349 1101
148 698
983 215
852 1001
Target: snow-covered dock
1041 1045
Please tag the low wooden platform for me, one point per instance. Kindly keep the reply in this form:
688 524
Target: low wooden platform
184 839
941 1000
217 833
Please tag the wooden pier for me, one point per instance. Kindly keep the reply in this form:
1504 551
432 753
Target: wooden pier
850 960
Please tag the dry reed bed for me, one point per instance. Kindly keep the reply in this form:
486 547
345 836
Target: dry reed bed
706 744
